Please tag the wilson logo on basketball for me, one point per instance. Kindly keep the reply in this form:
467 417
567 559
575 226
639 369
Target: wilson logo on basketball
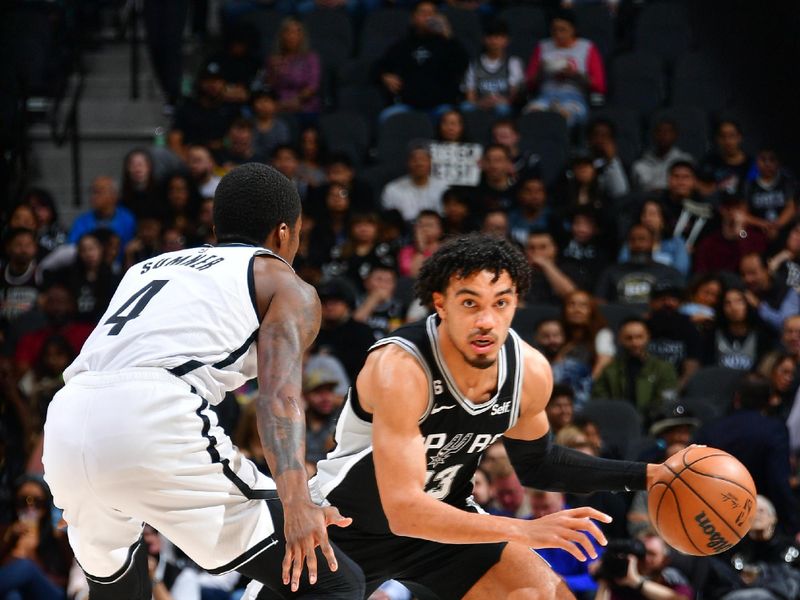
715 540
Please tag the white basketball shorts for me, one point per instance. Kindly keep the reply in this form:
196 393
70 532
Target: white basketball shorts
139 446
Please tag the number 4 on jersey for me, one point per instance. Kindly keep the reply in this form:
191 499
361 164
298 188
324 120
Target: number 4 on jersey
144 296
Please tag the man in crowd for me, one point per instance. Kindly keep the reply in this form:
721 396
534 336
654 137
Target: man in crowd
423 70
632 282
416 191
549 283
773 299
723 249
201 168
649 173
105 213
635 375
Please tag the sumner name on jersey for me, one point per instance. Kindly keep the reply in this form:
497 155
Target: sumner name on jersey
456 431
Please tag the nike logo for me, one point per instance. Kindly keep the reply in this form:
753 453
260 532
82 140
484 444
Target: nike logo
439 408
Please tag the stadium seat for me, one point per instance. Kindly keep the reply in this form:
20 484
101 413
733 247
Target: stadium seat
330 34
527 317
692 122
356 71
378 176
367 100
396 132
620 425
698 82
637 82
478 124
545 134
266 22
381 29
467 29
615 313
345 131
663 29
627 123
527 25
716 385
701 408
594 22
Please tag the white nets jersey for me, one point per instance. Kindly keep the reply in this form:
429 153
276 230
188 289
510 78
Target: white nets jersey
191 312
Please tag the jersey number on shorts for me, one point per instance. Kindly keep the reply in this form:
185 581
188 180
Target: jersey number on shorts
144 296
443 480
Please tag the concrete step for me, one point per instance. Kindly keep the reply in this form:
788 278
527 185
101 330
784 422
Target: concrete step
120 118
118 87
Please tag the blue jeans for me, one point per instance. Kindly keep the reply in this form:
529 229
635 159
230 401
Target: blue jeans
395 109
23 579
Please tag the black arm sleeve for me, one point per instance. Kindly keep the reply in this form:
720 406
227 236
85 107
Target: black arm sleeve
542 465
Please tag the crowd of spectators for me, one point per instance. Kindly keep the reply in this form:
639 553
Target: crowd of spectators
656 283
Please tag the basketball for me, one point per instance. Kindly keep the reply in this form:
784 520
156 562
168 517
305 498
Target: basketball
703 502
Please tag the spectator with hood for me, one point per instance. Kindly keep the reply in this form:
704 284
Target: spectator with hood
424 69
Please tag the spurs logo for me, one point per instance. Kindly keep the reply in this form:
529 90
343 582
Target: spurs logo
459 441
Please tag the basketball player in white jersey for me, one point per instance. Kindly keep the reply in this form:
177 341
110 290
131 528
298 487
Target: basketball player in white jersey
428 402
131 437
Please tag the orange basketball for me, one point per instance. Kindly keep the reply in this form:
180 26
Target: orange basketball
703 502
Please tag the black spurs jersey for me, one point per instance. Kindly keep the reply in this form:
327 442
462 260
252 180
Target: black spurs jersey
456 432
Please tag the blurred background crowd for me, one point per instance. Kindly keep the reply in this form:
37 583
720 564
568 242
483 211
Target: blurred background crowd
605 138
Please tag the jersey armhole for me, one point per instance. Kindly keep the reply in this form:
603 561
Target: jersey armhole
412 349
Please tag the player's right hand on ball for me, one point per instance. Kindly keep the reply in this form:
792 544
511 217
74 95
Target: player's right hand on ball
305 528
568 529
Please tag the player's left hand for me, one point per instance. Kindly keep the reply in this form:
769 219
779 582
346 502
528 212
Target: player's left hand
305 528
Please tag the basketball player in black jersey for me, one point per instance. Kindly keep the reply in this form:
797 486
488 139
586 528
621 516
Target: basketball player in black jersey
428 401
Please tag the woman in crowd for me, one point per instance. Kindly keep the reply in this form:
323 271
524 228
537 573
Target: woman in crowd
331 227
34 555
427 238
739 339
451 128
703 295
312 157
563 70
783 377
294 71
50 234
90 279
40 383
668 251
586 331
182 203
139 190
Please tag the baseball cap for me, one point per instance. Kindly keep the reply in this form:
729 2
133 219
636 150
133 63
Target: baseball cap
674 416
324 369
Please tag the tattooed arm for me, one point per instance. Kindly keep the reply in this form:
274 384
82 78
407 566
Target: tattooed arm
290 322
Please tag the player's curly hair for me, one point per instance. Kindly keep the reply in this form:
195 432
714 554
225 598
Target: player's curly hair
468 254
251 201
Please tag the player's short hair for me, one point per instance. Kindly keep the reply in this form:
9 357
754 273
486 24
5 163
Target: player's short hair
469 254
251 201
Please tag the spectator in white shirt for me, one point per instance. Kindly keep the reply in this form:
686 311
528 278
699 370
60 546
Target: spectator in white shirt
416 191
650 171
